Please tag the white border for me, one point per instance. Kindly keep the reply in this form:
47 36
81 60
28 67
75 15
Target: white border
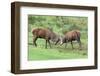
24 64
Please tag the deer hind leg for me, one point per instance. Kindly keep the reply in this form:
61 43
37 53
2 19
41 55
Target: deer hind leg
79 41
34 41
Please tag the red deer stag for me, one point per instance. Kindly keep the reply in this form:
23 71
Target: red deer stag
44 33
70 37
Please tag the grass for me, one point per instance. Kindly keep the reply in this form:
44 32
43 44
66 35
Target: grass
57 51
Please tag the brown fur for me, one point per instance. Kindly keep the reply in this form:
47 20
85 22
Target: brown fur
72 36
46 34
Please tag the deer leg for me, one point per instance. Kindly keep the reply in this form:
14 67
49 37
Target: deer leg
34 41
46 44
57 42
65 45
49 43
72 44
79 41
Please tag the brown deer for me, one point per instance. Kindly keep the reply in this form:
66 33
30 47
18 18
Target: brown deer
71 36
44 33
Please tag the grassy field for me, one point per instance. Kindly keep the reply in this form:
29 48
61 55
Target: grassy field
57 51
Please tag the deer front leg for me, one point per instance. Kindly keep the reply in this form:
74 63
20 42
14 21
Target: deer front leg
34 41
57 42
46 44
49 43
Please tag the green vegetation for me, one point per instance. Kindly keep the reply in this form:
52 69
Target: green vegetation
59 24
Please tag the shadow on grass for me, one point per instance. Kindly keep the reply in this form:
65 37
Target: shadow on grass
63 49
